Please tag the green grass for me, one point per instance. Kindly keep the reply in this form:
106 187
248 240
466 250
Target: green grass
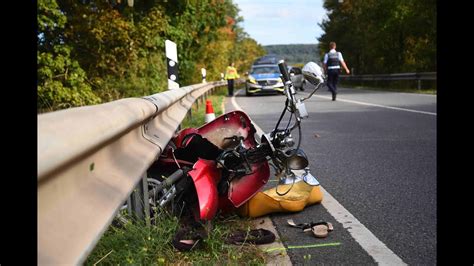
136 244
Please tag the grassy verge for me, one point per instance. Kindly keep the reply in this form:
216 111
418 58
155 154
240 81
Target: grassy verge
136 244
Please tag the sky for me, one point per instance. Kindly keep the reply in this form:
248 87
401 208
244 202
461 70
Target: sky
282 21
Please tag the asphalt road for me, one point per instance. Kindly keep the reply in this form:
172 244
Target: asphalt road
379 163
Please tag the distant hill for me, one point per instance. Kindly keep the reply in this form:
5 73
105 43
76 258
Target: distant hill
295 53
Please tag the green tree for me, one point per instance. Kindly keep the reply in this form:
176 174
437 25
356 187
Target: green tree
382 36
120 47
62 82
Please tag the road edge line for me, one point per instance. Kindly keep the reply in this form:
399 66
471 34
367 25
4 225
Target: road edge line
361 234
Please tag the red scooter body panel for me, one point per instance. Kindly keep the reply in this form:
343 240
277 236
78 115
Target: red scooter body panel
206 176
237 123
244 188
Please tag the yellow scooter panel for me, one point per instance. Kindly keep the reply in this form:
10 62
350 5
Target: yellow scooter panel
268 201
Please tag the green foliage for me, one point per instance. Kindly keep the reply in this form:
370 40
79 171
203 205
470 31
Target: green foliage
117 51
382 36
125 51
61 81
295 53
208 36
248 50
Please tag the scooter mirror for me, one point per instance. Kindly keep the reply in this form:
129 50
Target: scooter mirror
298 161
313 73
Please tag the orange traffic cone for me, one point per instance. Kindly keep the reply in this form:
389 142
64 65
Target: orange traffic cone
209 112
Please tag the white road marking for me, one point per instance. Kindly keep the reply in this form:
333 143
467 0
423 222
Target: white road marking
377 105
234 103
366 239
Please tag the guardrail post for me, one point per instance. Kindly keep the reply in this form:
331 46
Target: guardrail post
419 84
138 204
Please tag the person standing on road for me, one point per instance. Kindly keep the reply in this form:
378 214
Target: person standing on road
230 75
332 65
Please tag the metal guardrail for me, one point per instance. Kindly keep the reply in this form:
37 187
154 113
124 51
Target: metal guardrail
398 76
91 158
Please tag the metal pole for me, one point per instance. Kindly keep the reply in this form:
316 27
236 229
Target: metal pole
140 207
129 206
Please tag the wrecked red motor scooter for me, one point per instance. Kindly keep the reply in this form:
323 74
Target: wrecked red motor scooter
220 166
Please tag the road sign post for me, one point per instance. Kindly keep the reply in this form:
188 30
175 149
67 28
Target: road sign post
172 64
203 72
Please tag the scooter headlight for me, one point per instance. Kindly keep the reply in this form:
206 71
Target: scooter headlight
297 161
313 73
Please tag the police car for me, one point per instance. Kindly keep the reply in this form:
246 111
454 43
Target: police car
264 77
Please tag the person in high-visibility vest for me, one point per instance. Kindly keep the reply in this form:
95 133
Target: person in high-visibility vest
230 75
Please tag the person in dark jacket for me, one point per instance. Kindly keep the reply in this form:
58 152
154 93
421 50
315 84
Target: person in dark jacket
332 65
